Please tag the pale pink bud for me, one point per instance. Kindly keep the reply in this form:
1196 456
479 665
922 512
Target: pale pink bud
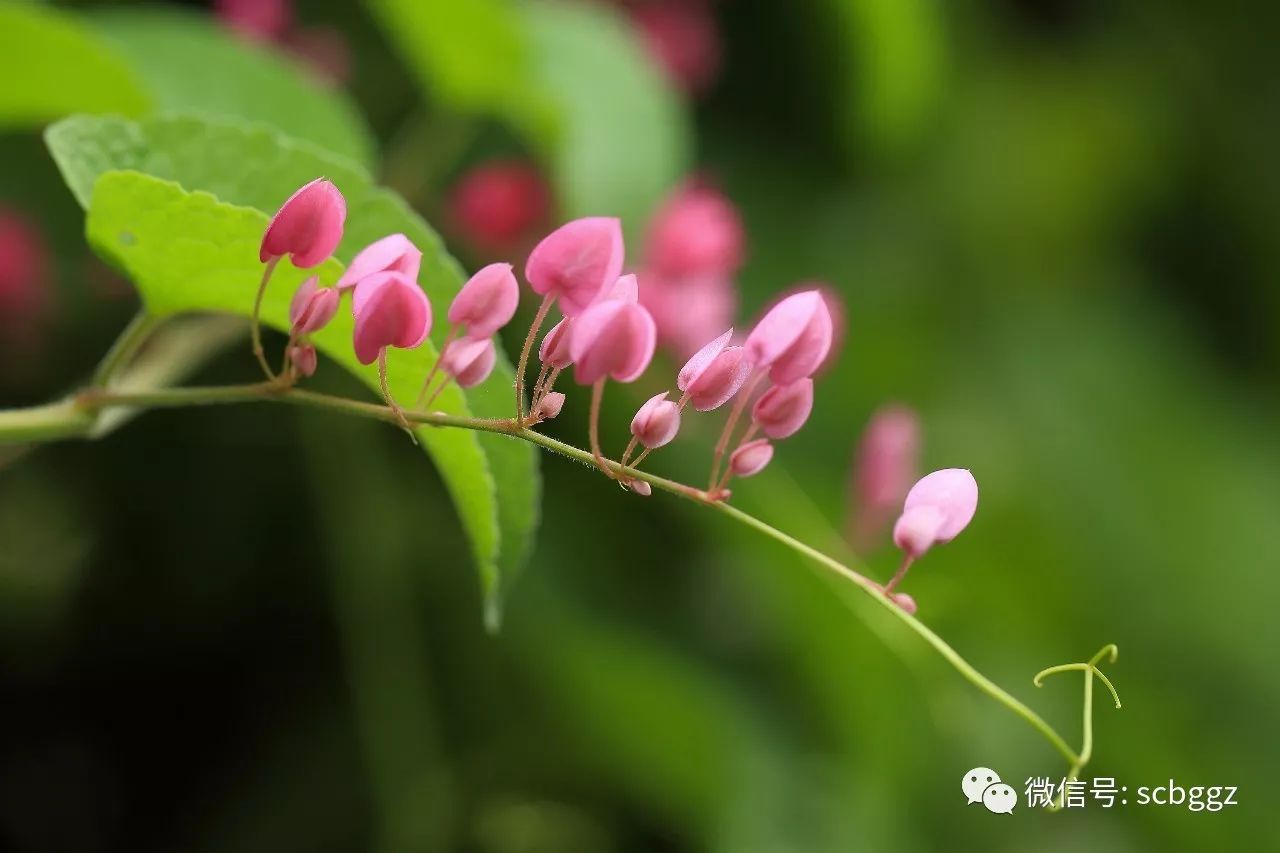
303 358
497 204
576 262
657 422
751 458
469 361
487 302
906 602
307 227
393 253
887 458
611 338
714 374
793 337
917 529
549 406
783 409
641 488
555 346
312 307
390 311
936 509
696 232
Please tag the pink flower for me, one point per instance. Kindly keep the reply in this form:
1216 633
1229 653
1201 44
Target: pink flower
265 20
751 458
555 346
312 307
576 262
393 253
469 361
682 36
783 409
550 405
697 232
626 288
303 358
793 338
497 204
936 509
611 338
487 302
887 459
640 487
324 50
657 422
688 310
390 311
714 374
307 227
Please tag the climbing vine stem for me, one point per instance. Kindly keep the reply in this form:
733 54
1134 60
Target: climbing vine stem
75 418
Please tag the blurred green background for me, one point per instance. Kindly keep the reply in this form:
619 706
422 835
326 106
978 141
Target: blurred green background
1053 227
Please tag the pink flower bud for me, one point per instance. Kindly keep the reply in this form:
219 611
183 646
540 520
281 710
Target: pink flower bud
696 232
303 358
904 601
611 338
657 422
936 509
390 311
555 346
312 307
751 458
549 406
487 302
714 374
917 529
783 409
393 253
641 488
793 338
497 204
307 227
469 361
576 262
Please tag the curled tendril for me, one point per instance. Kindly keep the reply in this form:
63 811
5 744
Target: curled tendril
1090 669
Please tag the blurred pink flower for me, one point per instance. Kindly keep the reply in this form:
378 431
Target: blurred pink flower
25 286
682 35
688 311
262 20
697 231
498 205
885 465
324 50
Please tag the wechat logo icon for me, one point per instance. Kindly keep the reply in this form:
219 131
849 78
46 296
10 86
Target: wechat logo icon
983 785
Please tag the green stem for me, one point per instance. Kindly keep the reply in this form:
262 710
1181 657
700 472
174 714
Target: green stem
125 347
72 418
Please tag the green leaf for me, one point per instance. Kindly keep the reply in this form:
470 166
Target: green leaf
52 65
571 77
189 64
257 166
187 251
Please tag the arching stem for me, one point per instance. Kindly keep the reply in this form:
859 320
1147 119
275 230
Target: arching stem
538 319
899 575
739 405
597 397
431 374
386 395
255 322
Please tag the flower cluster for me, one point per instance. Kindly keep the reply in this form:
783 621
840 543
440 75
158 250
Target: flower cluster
605 332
